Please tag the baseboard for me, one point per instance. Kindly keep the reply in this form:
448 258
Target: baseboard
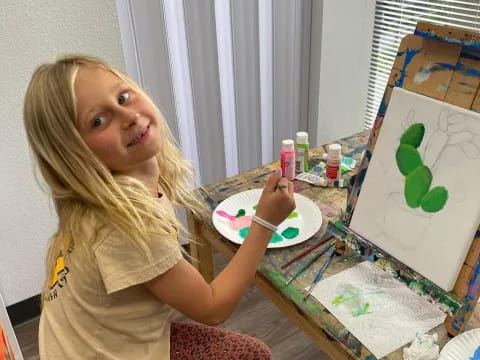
24 311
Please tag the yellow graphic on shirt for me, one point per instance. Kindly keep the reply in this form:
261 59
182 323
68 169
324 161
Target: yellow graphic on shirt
59 269
59 277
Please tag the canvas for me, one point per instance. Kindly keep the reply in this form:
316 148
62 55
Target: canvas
419 200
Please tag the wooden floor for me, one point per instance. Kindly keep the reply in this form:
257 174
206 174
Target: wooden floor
254 316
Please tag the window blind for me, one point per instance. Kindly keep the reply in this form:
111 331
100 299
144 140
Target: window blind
396 18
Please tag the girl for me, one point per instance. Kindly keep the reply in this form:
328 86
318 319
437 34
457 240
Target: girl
114 267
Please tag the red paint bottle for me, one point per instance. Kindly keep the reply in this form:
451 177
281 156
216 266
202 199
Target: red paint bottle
334 162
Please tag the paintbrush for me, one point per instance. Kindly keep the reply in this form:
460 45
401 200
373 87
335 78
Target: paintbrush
331 254
322 241
304 267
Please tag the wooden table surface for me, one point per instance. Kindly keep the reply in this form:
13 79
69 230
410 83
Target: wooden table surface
311 316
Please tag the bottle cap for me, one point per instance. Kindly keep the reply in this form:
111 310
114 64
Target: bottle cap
287 145
335 150
302 137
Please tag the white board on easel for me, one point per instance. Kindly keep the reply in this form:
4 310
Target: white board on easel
8 342
433 243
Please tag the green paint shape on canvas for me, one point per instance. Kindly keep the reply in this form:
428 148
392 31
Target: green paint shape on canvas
417 184
408 158
240 213
276 237
290 232
413 135
293 215
435 199
255 207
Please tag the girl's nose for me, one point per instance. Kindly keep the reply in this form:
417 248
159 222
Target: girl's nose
130 118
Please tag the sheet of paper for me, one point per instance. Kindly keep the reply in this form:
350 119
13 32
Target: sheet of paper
379 310
399 209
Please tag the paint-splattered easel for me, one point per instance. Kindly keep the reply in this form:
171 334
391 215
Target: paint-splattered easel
451 57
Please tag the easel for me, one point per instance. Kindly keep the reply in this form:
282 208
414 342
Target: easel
457 84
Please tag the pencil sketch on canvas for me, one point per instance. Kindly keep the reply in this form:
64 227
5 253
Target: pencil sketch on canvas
418 200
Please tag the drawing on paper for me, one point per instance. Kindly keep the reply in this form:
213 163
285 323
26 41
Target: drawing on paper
419 199
354 300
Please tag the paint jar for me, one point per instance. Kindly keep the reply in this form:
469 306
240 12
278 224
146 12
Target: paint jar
301 152
287 159
334 161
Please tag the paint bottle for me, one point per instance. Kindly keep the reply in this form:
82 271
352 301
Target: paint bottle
287 159
334 161
301 152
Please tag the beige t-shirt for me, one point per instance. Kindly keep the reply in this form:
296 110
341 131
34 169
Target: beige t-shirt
98 307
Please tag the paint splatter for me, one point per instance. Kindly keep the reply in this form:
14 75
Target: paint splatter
476 355
293 215
276 237
290 232
225 215
354 302
240 213
362 310
255 207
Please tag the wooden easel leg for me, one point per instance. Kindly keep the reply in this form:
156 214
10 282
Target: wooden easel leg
467 287
200 249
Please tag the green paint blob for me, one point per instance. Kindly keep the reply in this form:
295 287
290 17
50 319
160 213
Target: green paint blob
435 199
417 184
255 207
243 232
276 237
408 159
293 215
413 135
290 232
240 213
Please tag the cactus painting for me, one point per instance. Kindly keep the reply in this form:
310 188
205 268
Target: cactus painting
419 201
418 177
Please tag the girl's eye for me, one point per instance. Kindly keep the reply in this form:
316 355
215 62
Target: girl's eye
123 97
99 121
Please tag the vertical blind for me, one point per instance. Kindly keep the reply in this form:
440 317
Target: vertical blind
396 18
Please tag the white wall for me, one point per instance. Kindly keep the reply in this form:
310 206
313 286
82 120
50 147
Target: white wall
33 32
347 30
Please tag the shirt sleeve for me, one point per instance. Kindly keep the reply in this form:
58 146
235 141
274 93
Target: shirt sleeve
122 264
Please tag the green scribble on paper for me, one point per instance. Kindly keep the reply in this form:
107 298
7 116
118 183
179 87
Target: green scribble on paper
240 213
290 232
293 215
362 310
354 301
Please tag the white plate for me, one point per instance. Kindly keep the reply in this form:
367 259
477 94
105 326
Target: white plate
462 347
307 221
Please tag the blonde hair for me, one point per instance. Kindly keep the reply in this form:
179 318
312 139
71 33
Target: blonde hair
80 184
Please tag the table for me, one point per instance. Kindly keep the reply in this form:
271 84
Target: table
310 316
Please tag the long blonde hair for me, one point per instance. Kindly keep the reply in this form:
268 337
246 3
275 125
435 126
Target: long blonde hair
81 185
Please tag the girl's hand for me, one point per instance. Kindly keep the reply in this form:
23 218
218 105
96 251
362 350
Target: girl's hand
277 201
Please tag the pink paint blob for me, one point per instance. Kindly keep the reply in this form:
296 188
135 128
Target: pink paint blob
241 222
225 215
